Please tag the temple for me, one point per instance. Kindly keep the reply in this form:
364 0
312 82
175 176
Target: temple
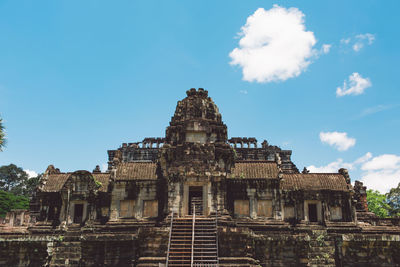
198 198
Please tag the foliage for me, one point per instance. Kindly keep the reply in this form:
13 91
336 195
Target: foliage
9 201
12 179
377 203
393 201
98 183
321 240
235 156
2 135
15 180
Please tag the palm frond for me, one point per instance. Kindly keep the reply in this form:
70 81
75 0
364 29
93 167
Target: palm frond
2 135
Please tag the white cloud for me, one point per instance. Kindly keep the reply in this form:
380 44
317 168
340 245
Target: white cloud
339 163
367 36
345 41
359 41
363 39
243 92
382 172
385 161
31 173
338 140
331 167
357 85
357 46
326 48
363 159
274 45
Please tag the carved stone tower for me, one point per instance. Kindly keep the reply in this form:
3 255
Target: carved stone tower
196 156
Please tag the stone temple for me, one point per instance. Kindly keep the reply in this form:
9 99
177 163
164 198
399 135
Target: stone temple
198 198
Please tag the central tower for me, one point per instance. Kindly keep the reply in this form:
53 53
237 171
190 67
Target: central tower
196 156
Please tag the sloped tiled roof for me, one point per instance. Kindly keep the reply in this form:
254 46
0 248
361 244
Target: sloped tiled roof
254 170
55 182
314 181
136 171
104 179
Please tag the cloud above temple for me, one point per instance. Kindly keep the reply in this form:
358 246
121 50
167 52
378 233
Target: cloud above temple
31 173
274 45
338 140
332 167
355 85
382 172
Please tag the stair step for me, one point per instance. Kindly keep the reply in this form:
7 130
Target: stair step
204 246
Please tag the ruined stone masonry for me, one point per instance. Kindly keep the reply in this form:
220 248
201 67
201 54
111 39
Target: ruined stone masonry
197 198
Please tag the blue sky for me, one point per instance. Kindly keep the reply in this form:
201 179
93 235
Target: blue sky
80 77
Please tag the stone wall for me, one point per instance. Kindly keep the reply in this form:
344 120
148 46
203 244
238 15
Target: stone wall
285 247
305 247
275 249
110 252
23 251
368 250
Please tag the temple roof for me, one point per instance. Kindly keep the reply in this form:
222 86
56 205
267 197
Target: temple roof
104 179
136 171
197 105
314 181
55 182
254 170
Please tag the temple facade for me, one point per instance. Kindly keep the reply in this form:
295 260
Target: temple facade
196 163
261 209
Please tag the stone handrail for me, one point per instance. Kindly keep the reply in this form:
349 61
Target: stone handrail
170 237
194 221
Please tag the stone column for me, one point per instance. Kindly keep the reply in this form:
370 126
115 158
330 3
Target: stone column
325 212
175 199
117 194
251 192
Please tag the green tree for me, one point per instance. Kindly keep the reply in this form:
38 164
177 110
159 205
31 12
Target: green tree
13 179
31 184
9 201
393 201
377 203
2 135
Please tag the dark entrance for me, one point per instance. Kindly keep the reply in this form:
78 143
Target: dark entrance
78 213
312 212
52 213
196 199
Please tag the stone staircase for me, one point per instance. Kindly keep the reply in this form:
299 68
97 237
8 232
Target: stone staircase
205 242
67 250
205 252
322 250
238 262
151 262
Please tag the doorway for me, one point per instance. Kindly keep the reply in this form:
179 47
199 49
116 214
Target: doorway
196 200
312 212
78 213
